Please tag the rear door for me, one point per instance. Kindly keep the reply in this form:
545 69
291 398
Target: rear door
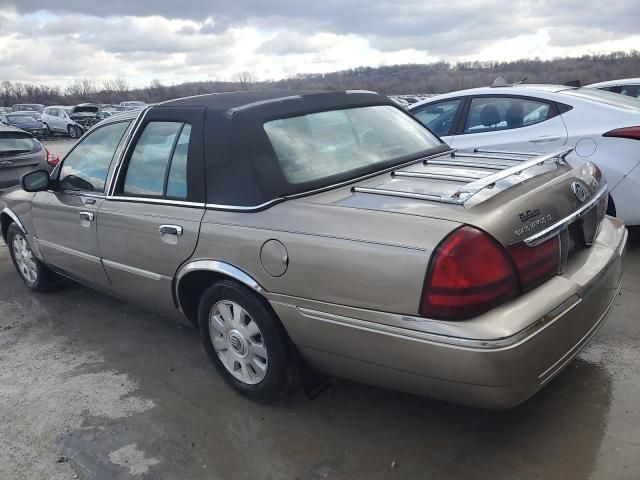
149 224
517 123
65 218
20 153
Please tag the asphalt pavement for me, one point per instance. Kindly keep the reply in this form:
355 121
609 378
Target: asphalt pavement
94 388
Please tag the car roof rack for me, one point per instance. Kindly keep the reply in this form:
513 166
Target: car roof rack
472 184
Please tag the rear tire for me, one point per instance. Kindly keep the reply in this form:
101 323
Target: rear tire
36 275
246 342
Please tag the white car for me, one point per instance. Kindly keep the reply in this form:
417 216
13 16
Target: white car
57 120
625 86
602 127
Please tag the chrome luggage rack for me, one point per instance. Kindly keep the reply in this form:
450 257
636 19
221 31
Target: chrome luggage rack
472 184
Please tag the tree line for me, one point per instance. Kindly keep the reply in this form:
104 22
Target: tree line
439 77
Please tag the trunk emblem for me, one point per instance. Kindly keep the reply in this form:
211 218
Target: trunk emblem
524 216
581 194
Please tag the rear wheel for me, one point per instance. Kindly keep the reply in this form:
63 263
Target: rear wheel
32 271
246 342
74 132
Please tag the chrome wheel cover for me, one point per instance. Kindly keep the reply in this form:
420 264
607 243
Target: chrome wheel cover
25 260
238 342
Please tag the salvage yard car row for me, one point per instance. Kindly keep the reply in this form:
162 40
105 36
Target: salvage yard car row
331 232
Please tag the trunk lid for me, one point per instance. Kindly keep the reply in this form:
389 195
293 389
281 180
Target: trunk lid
20 153
512 196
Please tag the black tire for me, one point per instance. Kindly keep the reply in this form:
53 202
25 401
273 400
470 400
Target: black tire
280 377
48 134
74 132
45 279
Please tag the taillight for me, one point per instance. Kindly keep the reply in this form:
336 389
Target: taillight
627 132
469 274
52 158
535 265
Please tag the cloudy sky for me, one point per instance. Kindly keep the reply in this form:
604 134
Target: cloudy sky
178 40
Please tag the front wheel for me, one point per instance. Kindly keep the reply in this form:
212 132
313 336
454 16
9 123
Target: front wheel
32 271
74 132
246 342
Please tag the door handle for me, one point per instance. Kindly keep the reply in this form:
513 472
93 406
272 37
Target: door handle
170 230
87 216
546 138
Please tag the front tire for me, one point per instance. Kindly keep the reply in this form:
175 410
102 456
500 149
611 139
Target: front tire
246 342
33 272
74 132
48 133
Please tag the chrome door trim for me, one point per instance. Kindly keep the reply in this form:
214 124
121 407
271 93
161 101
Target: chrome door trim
120 160
69 251
135 271
218 267
159 201
15 218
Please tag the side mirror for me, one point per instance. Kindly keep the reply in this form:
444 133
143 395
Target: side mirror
37 181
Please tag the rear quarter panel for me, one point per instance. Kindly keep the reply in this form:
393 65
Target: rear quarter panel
359 258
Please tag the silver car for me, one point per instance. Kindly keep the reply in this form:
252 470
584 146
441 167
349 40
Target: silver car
331 232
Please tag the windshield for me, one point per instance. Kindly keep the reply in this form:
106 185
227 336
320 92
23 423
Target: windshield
22 119
336 142
16 142
613 99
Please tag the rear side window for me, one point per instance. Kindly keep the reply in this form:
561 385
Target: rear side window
86 167
15 143
158 165
488 114
438 117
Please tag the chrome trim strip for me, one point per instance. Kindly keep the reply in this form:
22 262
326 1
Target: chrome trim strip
248 106
401 194
160 201
135 271
15 218
216 206
218 267
453 163
566 221
435 176
460 154
68 251
455 342
506 152
551 372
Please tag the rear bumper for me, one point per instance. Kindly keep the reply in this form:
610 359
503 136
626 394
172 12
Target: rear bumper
478 362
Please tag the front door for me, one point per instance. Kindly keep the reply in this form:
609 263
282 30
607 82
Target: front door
65 218
149 224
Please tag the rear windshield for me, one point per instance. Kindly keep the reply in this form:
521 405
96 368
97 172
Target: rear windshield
602 96
22 119
338 142
16 142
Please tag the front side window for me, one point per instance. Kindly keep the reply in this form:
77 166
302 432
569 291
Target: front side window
438 117
487 114
158 165
87 166
338 142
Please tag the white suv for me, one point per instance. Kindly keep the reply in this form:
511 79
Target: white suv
56 120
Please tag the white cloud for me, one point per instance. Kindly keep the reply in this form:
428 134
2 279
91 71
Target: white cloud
213 39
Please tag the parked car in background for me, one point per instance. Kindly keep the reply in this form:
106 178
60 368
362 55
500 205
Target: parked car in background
27 121
331 230
73 121
21 153
130 105
626 86
602 127
35 108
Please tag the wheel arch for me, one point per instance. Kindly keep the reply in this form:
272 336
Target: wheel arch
7 217
195 277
